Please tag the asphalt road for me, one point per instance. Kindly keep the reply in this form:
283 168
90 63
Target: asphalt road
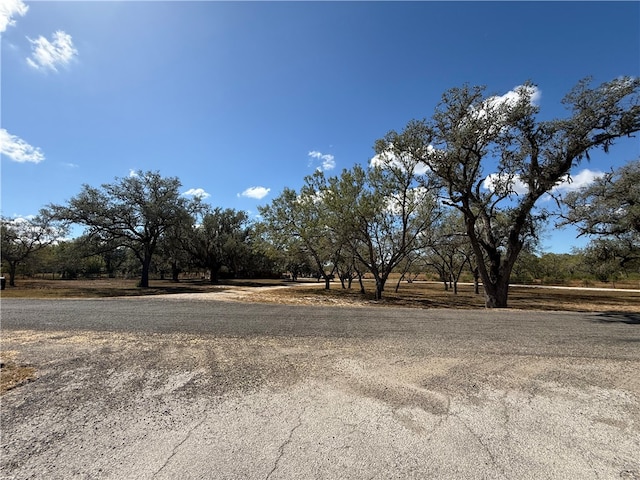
160 388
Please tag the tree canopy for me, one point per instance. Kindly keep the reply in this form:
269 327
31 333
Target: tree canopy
610 206
609 210
22 237
495 160
133 211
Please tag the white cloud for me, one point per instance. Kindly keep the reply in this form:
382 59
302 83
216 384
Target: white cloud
18 150
48 55
494 106
504 183
565 185
387 158
9 8
255 192
512 96
328 161
415 197
576 182
133 173
197 192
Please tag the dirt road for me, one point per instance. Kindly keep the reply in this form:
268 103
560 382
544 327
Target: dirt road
176 388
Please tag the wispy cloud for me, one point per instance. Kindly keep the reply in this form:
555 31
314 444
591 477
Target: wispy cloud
18 150
255 192
49 55
328 161
8 9
197 192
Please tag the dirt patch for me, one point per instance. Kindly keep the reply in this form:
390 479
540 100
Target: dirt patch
413 295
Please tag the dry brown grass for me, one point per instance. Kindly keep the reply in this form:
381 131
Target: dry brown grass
13 375
111 287
433 295
417 294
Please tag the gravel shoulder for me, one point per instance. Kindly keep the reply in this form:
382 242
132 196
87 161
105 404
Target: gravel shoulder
172 388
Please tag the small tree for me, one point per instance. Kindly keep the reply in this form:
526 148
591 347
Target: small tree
299 221
382 212
22 237
451 246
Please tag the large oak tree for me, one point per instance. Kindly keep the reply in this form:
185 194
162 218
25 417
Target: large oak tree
495 159
133 211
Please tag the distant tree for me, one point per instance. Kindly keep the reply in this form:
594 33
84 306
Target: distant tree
451 247
111 252
415 263
298 222
69 258
173 254
527 268
22 237
470 133
287 254
607 259
253 259
216 239
134 212
556 267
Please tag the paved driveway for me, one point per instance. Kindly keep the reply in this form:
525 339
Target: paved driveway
160 388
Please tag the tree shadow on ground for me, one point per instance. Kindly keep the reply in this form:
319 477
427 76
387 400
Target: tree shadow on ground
618 317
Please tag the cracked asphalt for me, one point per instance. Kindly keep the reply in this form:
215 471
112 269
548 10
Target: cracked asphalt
158 388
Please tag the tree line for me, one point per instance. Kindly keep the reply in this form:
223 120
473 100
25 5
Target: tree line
459 190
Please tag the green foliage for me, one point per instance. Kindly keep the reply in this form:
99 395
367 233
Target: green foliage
219 239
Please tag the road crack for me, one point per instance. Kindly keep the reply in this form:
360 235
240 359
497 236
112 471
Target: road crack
175 449
483 444
285 443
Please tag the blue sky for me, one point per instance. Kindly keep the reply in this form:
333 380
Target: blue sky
242 99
